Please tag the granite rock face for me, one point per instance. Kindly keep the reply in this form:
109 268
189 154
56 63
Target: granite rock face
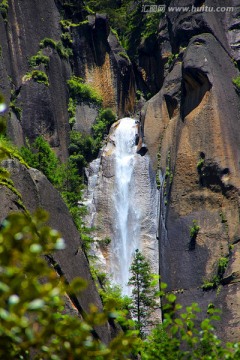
97 57
192 124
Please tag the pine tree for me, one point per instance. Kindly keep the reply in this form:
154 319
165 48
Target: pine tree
143 292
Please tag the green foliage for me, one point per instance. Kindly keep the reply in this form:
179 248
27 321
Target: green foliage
32 300
200 164
67 24
13 106
216 279
236 82
181 337
172 58
81 150
8 150
127 20
116 11
143 293
194 229
65 177
105 242
84 148
210 284
105 119
112 295
66 39
72 105
222 265
48 42
38 59
83 92
64 52
4 9
151 24
140 25
39 155
38 76
124 55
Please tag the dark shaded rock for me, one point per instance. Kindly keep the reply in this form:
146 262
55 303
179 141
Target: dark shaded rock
29 23
44 109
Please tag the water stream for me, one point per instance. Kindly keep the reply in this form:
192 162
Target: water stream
126 236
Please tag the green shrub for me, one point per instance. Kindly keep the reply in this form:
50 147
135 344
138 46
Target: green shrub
236 82
194 229
105 119
171 59
33 320
222 265
83 92
216 280
200 164
72 105
82 149
63 51
39 155
4 9
113 294
38 76
67 24
66 39
48 42
38 59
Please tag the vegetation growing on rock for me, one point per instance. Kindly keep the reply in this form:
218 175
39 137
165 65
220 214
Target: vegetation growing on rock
236 82
38 76
83 92
38 59
4 9
63 51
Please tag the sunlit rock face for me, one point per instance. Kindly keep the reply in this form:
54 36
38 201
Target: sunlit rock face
123 203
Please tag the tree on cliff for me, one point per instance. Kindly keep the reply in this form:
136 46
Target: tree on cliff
143 292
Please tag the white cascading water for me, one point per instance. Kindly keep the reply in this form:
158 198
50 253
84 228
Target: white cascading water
126 236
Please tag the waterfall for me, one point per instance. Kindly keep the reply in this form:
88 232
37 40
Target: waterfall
126 234
122 200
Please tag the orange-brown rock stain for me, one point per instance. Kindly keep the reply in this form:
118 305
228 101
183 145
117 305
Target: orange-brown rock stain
101 78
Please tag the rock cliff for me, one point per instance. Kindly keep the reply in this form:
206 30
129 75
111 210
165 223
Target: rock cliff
190 126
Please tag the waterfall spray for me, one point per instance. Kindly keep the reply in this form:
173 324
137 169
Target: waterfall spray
126 236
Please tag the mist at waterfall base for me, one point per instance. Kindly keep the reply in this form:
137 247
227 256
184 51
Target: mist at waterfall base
127 231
